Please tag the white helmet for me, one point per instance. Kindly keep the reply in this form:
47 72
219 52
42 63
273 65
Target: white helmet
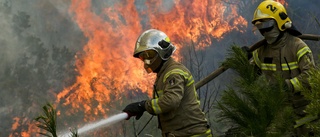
153 47
153 39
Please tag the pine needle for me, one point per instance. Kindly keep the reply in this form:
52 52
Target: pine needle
251 103
47 121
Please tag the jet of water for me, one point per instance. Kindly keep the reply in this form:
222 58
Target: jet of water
102 123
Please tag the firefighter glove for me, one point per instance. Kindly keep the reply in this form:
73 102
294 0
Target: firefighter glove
135 109
288 86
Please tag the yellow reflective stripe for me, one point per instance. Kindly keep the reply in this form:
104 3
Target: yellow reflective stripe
256 58
160 93
292 65
190 80
265 66
180 72
196 94
175 71
155 106
296 84
206 134
303 51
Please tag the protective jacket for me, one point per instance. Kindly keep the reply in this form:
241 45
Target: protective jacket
176 103
292 58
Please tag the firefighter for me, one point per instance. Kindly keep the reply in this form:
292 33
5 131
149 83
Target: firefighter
175 100
283 53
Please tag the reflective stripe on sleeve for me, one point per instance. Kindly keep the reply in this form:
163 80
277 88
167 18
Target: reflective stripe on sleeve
206 134
155 106
256 58
296 84
160 93
186 75
302 52
190 81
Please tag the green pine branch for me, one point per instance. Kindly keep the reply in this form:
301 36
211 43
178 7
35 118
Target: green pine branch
314 96
48 121
253 105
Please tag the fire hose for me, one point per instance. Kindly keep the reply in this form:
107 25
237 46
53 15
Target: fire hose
99 124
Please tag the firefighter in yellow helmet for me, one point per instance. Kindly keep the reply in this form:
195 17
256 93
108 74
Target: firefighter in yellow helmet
283 53
175 100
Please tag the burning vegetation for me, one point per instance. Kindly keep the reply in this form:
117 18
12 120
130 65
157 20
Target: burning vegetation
101 76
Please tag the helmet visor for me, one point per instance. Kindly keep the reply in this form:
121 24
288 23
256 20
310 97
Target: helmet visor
264 24
150 59
148 54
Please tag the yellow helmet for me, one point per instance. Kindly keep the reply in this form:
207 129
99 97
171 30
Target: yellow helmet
270 9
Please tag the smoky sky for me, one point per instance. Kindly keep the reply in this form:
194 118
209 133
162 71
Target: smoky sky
48 20
51 21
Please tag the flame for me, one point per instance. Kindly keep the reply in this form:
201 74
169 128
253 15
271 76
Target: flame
16 124
197 21
106 65
23 132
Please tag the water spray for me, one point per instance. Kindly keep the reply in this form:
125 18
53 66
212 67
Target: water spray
102 123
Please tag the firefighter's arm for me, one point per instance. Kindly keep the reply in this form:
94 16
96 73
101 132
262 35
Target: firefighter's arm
305 63
170 98
256 62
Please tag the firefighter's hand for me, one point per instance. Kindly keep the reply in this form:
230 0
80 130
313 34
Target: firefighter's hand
247 51
135 109
288 86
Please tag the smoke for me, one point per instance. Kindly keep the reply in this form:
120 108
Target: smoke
33 35
32 27
8 40
49 20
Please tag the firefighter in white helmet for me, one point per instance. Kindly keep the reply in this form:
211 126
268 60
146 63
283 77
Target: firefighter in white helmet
175 100
283 53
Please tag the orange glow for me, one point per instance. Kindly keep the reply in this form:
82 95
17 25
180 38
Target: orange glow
282 2
15 125
197 21
24 133
107 66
